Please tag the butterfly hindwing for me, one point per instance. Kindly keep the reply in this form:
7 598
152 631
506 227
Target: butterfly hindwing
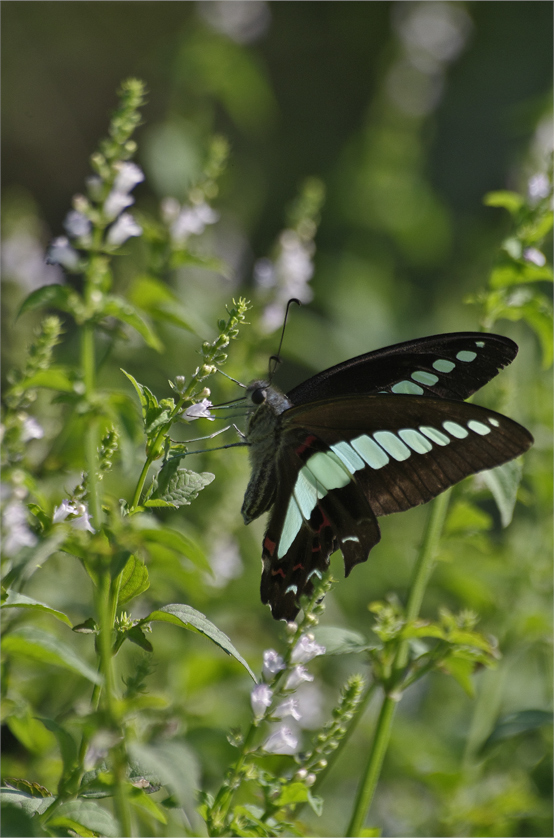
450 366
308 523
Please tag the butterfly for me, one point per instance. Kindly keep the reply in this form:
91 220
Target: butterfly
377 434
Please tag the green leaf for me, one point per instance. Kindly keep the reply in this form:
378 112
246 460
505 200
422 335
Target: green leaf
465 517
30 732
193 620
341 641
180 486
36 645
517 273
66 743
137 636
134 580
50 296
159 503
503 482
54 378
180 543
292 793
16 600
120 308
172 764
22 800
316 803
85 813
153 414
15 821
159 301
517 723
141 800
509 200
461 670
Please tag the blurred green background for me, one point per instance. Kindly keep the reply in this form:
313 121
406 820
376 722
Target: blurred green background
409 113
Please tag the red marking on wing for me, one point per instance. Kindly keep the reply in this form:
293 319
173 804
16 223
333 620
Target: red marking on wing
306 444
296 566
278 571
269 545
326 522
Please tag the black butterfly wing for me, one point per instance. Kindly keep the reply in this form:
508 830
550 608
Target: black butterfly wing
343 462
449 366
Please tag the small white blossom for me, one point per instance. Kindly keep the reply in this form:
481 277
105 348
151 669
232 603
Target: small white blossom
124 228
531 254
67 508
17 533
260 699
115 203
538 187
201 410
128 175
31 429
283 741
273 663
306 649
169 209
192 221
77 225
297 675
61 253
289 707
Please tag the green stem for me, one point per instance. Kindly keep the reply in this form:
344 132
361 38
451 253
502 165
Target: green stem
422 572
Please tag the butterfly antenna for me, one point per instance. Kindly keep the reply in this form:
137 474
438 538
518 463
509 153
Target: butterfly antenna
234 380
275 360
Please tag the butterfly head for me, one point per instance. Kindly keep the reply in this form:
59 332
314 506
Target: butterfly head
264 395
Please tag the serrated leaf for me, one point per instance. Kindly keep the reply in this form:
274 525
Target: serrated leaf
518 273
180 486
159 503
180 543
134 580
341 641
85 813
154 415
15 821
15 600
31 733
316 803
461 670
187 617
503 483
55 296
120 308
37 645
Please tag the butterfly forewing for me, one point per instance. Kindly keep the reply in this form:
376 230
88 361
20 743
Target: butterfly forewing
451 366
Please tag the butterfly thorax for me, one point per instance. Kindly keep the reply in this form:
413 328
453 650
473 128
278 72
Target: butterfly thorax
263 432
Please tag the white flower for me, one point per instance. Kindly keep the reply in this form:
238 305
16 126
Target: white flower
192 221
306 649
531 254
260 699
17 533
283 741
116 202
264 273
77 225
31 429
124 227
61 253
538 187
169 209
67 508
289 707
273 663
297 675
128 175
200 410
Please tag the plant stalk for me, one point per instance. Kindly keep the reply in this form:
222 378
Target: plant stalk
422 571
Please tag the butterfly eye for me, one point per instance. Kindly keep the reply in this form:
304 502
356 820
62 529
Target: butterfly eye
258 396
